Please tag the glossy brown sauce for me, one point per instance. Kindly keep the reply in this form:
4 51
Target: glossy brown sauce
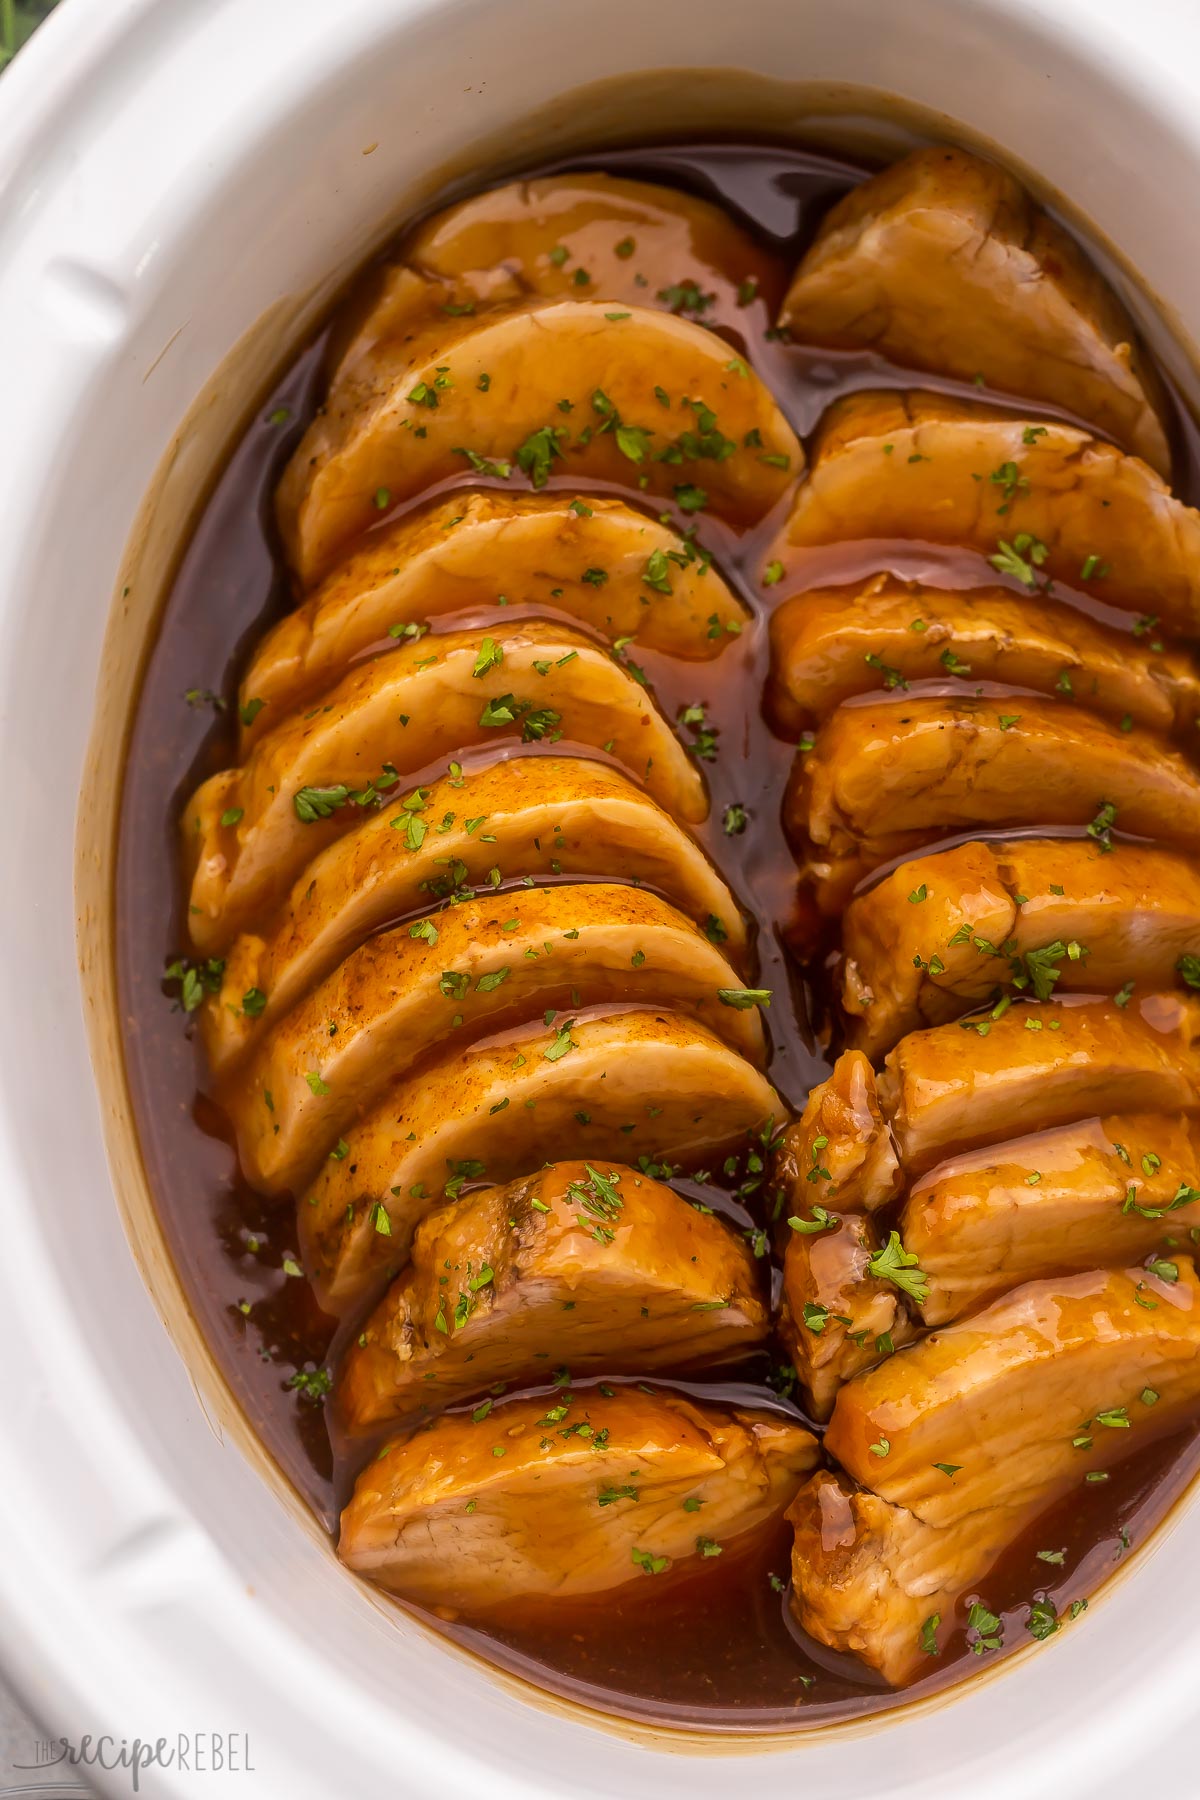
711 1645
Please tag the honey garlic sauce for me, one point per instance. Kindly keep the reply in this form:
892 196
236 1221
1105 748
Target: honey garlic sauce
716 1649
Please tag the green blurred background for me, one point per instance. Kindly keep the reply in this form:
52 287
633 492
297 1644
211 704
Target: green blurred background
19 19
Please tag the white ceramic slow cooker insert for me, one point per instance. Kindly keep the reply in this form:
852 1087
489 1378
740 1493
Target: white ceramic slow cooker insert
183 183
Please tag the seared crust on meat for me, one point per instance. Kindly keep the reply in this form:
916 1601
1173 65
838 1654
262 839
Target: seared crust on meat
490 385
249 832
943 262
961 1441
836 1317
840 1151
1001 1396
638 1082
832 644
945 933
1041 1064
596 560
874 1579
633 241
888 774
531 817
1109 525
1098 1191
599 1265
566 1495
461 974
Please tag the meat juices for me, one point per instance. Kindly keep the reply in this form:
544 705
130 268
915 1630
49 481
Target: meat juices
491 896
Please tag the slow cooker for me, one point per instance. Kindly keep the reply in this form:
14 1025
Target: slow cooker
185 187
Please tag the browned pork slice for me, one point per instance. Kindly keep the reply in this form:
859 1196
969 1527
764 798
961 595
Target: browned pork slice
830 644
1037 1065
963 1440
564 237
955 1087
943 262
567 1495
1045 500
1057 1380
468 971
596 1266
618 1087
249 832
873 1579
1109 1190
534 817
597 560
945 932
487 393
840 1152
837 1316
887 775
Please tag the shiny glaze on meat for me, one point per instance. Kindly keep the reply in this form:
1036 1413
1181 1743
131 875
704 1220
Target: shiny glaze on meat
637 1654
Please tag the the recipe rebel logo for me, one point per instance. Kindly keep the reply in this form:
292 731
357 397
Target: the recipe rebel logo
192 1753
